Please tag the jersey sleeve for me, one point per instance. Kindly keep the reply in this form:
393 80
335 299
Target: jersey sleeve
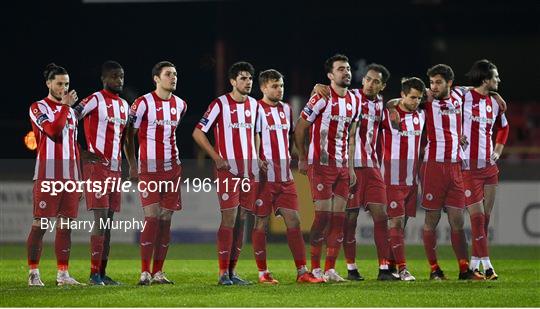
136 112
52 127
209 117
86 106
258 120
501 124
313 108
291 119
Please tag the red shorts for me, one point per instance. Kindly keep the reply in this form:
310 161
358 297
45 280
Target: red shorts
442 185
401 201
98 173
369 188
475 180
162 188
275 195
327 181
63 204
234 191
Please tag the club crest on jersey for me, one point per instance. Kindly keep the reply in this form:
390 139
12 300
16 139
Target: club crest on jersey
247 113
488 109
393 204
468 193
349 106
320 187
98 195
122 109
42 204
429 197
415 120
144 194
225 196
258 203
282 115
377 107
173 111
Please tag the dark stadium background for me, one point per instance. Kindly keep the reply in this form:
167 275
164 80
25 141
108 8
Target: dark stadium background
204 37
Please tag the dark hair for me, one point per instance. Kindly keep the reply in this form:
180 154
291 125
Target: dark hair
381 69
156 70
441 69
268 75
108 66
329 63
408 83
240 66
480 71
51 70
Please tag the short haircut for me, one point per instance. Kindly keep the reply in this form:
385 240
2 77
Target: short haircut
269 75
329 63
158 67
480 71
441 69
381 69
408 83
108 66
241 66
51 70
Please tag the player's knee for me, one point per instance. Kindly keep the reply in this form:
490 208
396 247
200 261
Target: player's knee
260 223
396 222
292 221
378 212
352 214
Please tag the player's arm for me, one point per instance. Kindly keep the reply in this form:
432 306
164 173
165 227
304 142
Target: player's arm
300 140
393 113
200 138
53 127
352 146
129 150
321 90
501 137
500 101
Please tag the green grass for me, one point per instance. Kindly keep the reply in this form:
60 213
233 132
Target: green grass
194 269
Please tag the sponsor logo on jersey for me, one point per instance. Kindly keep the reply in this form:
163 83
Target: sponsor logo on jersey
340 118
116 120
481 119
163 122
276 127
375 118
410 133
240 125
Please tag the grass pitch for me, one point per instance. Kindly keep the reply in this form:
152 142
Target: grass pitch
194 270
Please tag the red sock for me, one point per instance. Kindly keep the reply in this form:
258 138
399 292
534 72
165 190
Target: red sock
96 252
334 239
34 245
459 244
238 242
224 244
148 240
398 246
106 249
391 256
297 246
349 242
162 245
258 239
62 246
317 236
478 237
486 224
380 233
430 246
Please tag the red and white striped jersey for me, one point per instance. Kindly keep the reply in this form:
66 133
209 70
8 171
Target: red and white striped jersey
480 114
329 134
274 123
157 121
105 116
400 149
444 128
370 115
55 128
234 132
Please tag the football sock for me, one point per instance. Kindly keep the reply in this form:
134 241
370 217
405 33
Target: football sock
398 246
317 236
148 240
297 246
96 252
258 239
334 239
224 244
62 247
162 245
430 246
349 242
380 233
34 245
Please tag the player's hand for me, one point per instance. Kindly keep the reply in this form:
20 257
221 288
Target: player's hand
395 120
352 178
133 173
222 164
322 91
495 156
500 101
69 98
464 142
302 166
429 95
89 157
263 165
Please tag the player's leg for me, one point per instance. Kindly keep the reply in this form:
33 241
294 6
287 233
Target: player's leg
96 245
161 247
489 201
478 237
237 244
459 243
397 246
106 250
317 234
34 246
431 221
225 243
67 211
349 243
335 237
258 239
148 240
380 234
